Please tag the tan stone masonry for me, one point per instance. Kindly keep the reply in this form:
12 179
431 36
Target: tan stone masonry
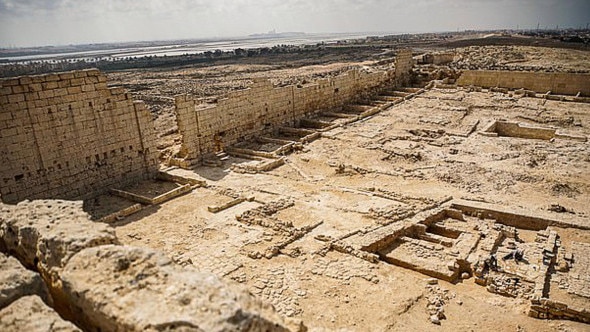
262 108
558 83
68 135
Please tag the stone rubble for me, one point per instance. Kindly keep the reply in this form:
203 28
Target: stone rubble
436 299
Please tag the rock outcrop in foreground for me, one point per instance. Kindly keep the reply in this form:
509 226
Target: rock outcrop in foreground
45 234
158 294
103 286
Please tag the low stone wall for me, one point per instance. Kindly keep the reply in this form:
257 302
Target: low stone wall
550 309
518 217
440 58
557 83
68 135
520 130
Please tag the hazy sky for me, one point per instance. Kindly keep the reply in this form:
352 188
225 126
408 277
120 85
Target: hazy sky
58 22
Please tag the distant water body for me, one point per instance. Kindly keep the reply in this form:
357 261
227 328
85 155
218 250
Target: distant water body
123 50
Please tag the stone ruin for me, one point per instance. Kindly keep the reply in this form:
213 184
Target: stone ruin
274 114
70 136
556 83
456 240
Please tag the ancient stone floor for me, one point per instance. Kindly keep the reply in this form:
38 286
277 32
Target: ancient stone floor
408 160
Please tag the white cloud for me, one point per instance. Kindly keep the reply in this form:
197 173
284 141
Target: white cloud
40 22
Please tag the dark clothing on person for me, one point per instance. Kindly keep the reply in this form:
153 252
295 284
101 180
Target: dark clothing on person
493 262
517 254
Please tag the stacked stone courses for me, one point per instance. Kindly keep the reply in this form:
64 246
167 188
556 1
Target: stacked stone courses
262 109
69 135
558 83
403 67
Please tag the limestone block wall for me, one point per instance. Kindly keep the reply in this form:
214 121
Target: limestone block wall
403 67
68 135
512 129
262 108
326 94
558 83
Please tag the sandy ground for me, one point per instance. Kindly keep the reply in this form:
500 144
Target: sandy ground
409 151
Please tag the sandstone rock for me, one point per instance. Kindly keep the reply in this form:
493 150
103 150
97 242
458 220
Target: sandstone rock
16 282
434 319
44 234
30 314
432 281
121 288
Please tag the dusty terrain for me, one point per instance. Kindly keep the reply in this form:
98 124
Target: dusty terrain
291 235
408 151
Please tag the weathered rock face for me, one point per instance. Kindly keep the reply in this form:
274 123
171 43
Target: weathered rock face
16 282
45 234
30 314
102 286
121 288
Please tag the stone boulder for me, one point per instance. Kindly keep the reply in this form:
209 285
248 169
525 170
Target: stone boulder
16 282
44 234
122 288
30 314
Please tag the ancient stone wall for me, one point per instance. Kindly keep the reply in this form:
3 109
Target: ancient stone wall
438 58
403 67
243 114
68 135
557 83
263 108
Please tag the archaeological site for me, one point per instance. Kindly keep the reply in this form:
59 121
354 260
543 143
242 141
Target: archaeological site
427 185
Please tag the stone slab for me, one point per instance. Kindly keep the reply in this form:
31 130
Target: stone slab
136 289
